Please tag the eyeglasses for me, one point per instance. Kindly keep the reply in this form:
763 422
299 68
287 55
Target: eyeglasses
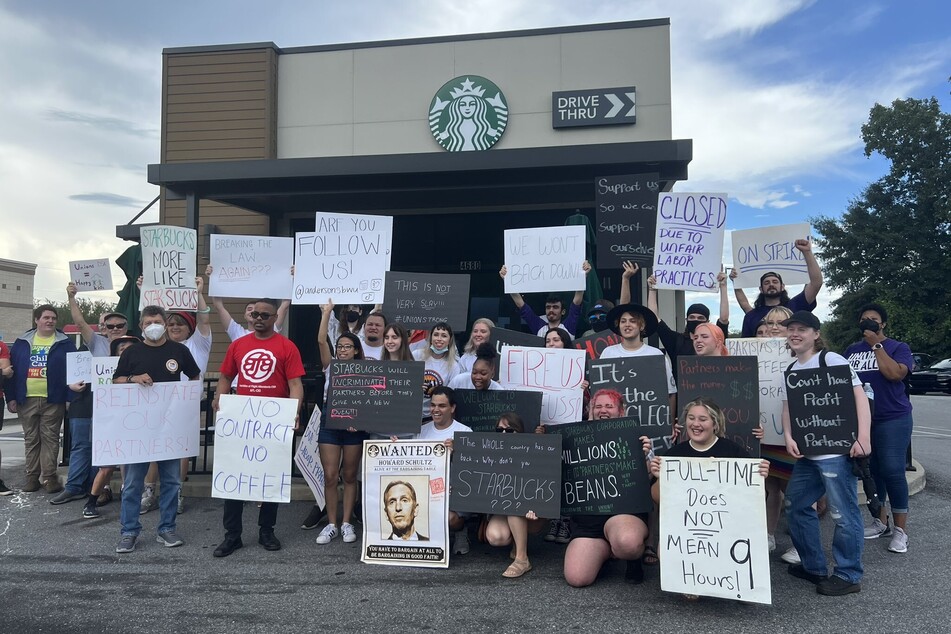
115 326
265 316
597 317
345 346
505 430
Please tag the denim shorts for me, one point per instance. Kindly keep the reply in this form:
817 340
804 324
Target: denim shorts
341 437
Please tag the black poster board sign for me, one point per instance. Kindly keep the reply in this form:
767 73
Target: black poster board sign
480 409
603 470
503 337
642 382
506 474
383 397
626 216
596 343
822 414
419 301
733 384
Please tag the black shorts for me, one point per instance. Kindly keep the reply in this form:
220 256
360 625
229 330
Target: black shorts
592 526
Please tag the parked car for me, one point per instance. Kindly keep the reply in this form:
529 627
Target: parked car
936 378
922 360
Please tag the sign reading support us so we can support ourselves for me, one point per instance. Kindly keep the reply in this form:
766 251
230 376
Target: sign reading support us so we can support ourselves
688 248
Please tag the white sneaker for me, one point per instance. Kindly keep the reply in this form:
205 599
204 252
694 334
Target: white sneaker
181 503
461 545
877 529
771 542
149 500
791 556
349 534
326 535
899 541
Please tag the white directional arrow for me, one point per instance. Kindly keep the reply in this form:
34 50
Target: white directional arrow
616 105
630 113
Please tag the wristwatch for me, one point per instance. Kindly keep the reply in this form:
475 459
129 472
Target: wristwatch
877 346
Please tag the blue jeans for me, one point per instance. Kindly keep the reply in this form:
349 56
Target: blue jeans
810 480
81 473
170 478
890 440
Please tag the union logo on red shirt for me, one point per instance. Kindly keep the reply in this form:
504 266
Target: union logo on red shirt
258 365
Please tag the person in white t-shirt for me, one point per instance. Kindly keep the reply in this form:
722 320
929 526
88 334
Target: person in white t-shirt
481 332
373 329
479 377
233 328
442 427
441 362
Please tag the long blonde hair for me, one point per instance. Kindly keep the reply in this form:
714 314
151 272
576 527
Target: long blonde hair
470 347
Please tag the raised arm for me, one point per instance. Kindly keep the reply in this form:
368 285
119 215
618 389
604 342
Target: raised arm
323 345
223 315
630 270
811 291
282 313
203 315
516 297
579 295
724 298
77 314
739 293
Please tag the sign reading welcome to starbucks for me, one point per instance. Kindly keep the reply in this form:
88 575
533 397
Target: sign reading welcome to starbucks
468 113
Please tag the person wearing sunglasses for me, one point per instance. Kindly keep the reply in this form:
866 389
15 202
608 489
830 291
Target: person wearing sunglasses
112 325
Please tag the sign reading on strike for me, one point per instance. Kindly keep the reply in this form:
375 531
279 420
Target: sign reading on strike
688 248
168 268
251 266
627 218
756 251
544 259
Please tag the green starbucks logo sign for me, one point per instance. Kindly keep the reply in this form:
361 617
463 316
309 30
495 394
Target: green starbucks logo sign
468 113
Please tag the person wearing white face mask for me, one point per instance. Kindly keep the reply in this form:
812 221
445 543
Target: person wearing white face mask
158 360
441 361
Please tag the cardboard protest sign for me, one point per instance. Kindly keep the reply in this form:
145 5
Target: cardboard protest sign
555 372
168 268
344 259
78 367
642 382
822 414
91 275
603 470
103 369
756 251
733 384
251 266
419 301
627 218
545 259
773 358
594 345
307 459
713 529
502 337
480 409
688 248
132 423
405 503
506 474
383 397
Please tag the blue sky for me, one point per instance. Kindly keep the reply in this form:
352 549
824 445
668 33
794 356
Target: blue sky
773 93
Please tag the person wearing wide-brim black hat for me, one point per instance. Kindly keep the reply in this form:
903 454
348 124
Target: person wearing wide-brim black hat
647 316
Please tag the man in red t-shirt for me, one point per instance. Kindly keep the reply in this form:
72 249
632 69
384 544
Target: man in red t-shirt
266 364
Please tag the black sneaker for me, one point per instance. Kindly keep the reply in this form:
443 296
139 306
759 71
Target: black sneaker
797 570
634 573
836 586
227 547
269 541
313 518
4 490
65 496
90 511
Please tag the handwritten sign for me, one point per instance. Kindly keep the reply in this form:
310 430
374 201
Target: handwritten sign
545 259
556 373
506 474
733 384
91 275
603 469
168 268
688 248
642 382
377 396
480 409
822 414
594 345
345 259
133 424
772 358
756 251
713 529
502 337
421 300
103 369
627 218
307 459
251 266
253 444
78 367
405 503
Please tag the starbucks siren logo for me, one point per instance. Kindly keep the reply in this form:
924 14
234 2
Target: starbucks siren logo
462 118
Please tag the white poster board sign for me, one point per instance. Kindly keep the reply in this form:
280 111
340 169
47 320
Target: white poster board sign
713 529
251 266
405 503
91 275
756 251
555 372
78 367
307 458
344 259
168 268
103 369
773 358
688 247
132 423
254 436
545 259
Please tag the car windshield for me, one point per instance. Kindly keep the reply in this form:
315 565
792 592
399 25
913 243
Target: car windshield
942 365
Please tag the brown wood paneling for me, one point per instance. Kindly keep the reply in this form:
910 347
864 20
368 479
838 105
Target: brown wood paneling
217 134
222 57
220 105
218 97
221 69
216 79
218 125
221 115
214 145
211 88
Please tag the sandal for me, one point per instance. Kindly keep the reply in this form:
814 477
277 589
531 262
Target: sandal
650 556
691 597
517 569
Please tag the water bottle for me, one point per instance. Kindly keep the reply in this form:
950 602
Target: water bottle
870 393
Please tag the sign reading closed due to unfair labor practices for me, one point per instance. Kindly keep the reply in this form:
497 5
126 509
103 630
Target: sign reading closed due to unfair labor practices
688 247
468 113
599 106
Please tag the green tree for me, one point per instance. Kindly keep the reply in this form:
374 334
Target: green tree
91 310
893 244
